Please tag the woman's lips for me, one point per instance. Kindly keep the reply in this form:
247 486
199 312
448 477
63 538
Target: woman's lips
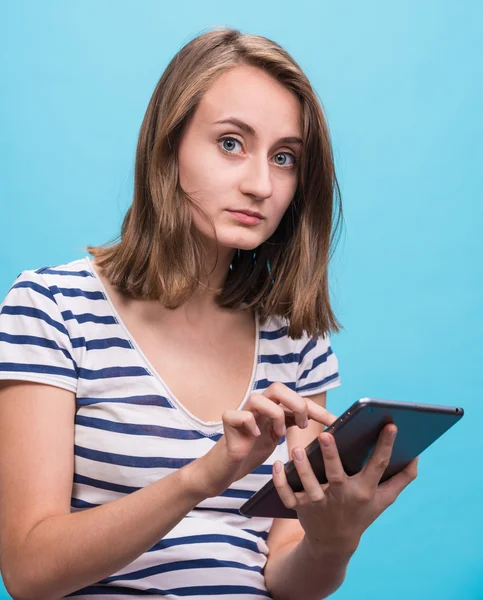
244 218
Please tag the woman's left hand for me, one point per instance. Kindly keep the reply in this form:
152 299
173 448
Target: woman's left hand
334 515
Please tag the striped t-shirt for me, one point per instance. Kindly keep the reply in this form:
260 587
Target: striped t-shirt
58 326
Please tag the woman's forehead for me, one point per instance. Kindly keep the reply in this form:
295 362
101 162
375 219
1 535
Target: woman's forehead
253 97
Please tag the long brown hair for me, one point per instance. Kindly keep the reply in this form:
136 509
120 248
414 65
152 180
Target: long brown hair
159 253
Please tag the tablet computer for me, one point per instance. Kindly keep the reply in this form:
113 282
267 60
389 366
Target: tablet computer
355 433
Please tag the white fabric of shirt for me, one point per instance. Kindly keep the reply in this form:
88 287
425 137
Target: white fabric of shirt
58 326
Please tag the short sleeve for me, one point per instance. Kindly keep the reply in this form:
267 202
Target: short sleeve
318 368
34 342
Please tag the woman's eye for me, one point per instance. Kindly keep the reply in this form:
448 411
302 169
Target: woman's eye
229 144
283 155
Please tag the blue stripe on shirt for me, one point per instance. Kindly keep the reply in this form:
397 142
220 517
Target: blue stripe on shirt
146 400
310 386
277 359
35 313
129 489
140 462
181 565
194 591
104 485
77 503
307 348
146 462
30 368
33 340
40 289
322 358
274 335
110 372
76 292
233 493
228 511
50 271
140 429
265 383
315 363
261 534
68 315
101 344
206 538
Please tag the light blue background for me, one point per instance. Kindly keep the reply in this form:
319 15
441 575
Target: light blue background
402 84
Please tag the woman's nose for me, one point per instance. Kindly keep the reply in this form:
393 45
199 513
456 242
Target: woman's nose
257 179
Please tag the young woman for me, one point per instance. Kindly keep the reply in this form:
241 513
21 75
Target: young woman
147 391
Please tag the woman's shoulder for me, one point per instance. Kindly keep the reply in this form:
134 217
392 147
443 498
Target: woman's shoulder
274 333
276 327
76 269
38 324
58 278
37 287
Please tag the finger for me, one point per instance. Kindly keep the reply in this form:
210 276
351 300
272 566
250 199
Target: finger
374 468
334 470
316 413
261 405
240 421
280 393
392 487
287 495
319 413
307 477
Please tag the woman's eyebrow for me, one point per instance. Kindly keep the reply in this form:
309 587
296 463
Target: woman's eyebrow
249 129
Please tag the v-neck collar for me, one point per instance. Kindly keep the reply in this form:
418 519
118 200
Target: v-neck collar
208 426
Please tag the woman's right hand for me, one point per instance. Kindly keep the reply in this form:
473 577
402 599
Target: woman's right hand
251 435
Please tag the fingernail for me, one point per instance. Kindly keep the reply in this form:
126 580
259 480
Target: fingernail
299 454
257 430
283 430
306 422
325 441
278 467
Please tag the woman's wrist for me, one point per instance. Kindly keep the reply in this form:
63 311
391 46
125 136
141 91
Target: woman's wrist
194 482
339 550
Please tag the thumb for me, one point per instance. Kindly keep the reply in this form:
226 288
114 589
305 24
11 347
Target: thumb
392 487
241 432
241 422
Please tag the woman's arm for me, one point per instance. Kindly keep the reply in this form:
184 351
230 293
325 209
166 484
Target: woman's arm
46 552
291 570
333 515
295 572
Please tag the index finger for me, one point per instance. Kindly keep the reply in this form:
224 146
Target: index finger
315 412
320 413
282 394
303 407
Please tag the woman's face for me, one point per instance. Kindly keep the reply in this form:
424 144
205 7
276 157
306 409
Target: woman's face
242 163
